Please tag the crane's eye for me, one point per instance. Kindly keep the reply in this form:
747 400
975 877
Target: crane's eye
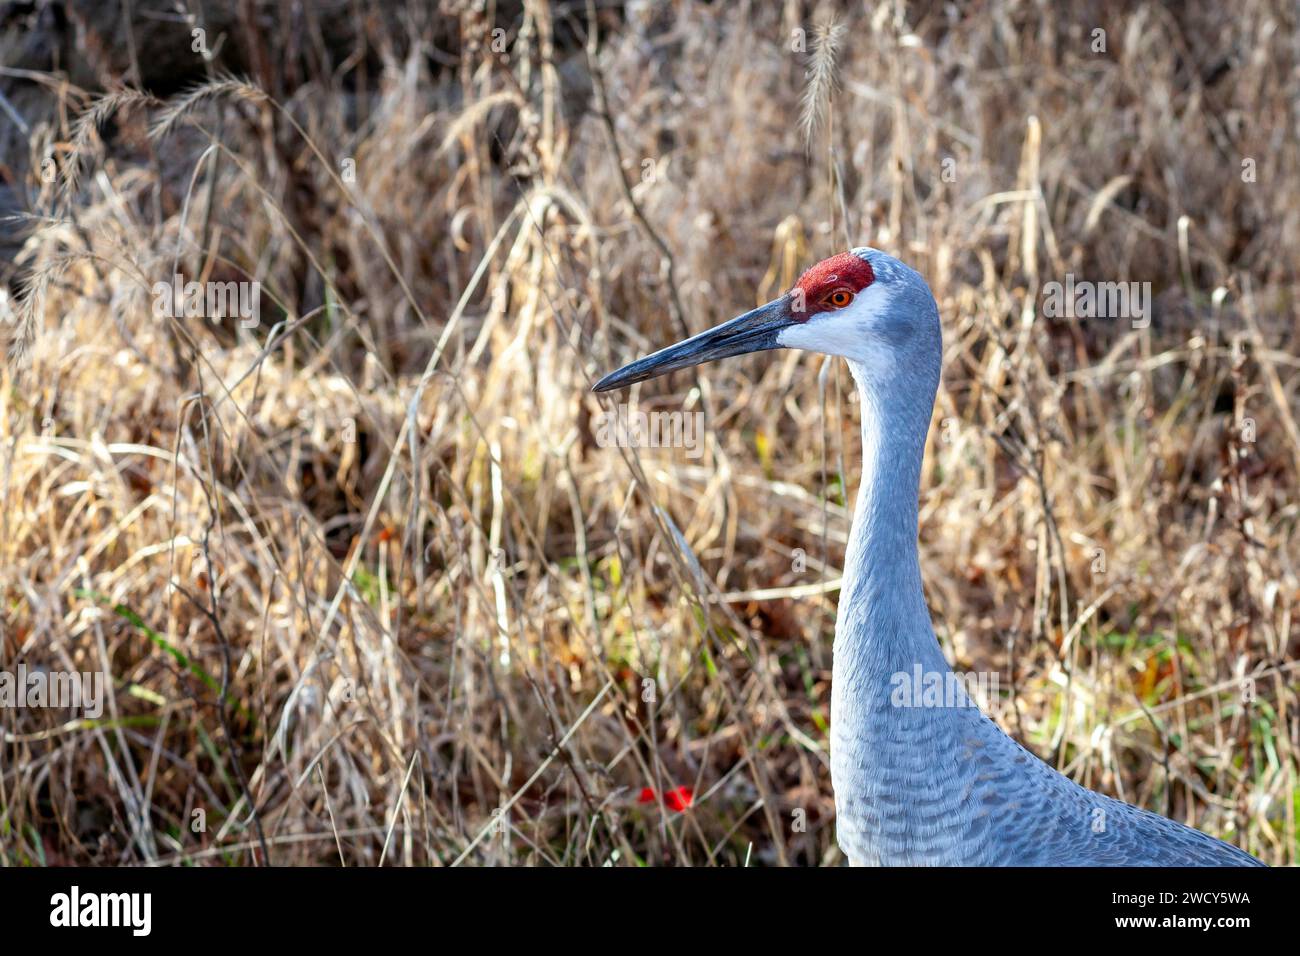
839 298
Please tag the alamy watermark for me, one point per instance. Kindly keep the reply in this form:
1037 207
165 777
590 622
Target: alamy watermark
922 688
39 687
1082 299
633 428
133 911
214 301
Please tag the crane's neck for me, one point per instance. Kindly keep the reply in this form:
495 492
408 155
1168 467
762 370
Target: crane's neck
881 751
883 626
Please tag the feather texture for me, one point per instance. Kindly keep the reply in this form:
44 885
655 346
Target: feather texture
943 785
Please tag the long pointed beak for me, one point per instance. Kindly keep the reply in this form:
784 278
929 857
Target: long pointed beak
754 331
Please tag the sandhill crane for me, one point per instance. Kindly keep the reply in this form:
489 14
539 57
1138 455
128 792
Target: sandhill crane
917 784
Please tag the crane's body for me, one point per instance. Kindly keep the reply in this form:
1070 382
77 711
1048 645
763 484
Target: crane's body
919 782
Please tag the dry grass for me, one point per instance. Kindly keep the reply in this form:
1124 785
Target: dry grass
380 522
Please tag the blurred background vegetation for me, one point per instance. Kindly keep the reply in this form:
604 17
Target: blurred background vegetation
367 588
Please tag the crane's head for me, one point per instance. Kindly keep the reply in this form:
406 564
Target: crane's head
864 305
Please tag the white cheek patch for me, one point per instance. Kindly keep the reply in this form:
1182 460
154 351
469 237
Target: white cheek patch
848 332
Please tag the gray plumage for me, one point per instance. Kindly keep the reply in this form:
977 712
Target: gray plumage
917 783
927 785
